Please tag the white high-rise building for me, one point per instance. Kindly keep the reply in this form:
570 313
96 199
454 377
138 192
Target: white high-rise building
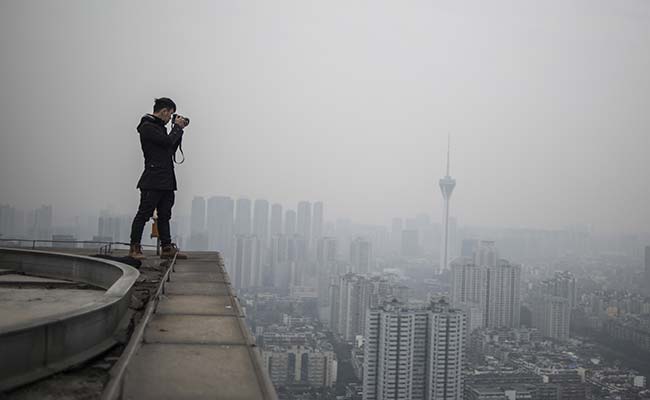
503 295
552 305
469 291
552 316
197 222
221 210
361 258
414 354
488 288
243 217
245 269
276 219
290 222
261 221
303 227
447 185
317 222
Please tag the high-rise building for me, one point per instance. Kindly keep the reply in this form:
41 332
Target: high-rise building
414 354
40 223
647 266
110 227
503 295
298 364
317 222
410 243
197 222
468 247
396 227
361 258
243 217
562 284
261 221
276 219
290 223
552 305
198 234
487 286
245 269
304 221
297 259
447 185
326 250
7 221
348 309
221 210
486 254
278 274
551 315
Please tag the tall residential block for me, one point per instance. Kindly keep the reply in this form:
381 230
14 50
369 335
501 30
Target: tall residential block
220 220
414 354
243 225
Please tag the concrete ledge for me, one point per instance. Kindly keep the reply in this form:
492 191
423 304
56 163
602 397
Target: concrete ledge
42 346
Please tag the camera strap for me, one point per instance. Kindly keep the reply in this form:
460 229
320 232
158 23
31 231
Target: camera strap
180 147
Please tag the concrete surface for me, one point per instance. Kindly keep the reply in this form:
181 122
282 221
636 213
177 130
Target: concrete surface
197 345
182 371
22 305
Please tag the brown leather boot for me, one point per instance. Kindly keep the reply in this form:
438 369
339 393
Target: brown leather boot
169 250
135 251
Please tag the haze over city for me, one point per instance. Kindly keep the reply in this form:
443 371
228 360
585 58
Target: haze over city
349 103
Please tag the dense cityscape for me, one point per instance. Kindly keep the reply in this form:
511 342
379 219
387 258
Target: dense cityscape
348 311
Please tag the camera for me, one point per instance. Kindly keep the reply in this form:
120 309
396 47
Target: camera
176 115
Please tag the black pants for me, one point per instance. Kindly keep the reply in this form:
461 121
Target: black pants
161 200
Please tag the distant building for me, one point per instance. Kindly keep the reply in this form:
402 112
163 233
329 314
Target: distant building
109 227
290 223
303 227
276 220
551 315
489 286
647 267
39 223
7 221
503 295
410 243
414 353
317 222
468 247
197 217
261 221
243 217
298 364
361 256
220 220
552 305
245 271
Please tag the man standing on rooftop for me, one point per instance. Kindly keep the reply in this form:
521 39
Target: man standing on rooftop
158 181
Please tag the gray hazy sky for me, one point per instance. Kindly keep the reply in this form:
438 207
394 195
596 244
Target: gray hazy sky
349 102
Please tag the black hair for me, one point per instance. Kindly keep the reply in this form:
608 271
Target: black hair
164 102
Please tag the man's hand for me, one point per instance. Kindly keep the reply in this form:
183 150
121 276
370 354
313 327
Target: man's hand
180 121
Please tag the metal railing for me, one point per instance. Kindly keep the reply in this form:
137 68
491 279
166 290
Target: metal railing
104 247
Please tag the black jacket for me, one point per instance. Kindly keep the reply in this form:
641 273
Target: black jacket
158 148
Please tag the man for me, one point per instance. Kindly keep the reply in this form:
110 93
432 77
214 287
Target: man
158 182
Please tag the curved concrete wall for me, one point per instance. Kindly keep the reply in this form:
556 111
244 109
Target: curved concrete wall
43 346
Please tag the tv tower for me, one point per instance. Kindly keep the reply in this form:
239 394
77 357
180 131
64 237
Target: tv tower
447 185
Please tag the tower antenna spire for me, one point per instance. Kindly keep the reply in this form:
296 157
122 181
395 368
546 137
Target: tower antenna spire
448 146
